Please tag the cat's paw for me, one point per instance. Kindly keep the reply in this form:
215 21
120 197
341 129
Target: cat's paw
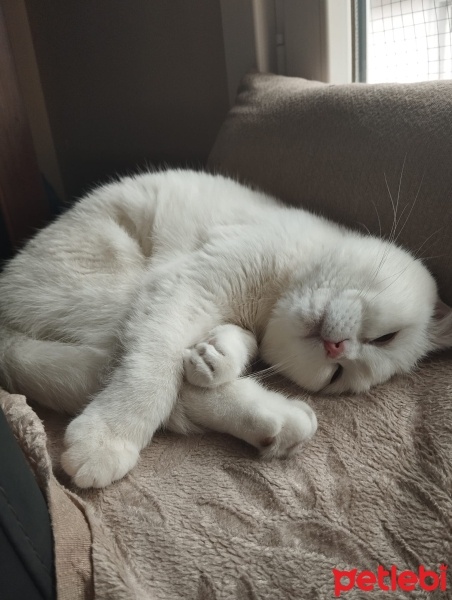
206 366
281 434
221 358
94 457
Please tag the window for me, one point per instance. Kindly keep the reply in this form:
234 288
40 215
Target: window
405 40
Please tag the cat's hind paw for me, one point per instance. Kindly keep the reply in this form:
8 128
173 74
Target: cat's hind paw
94 457
285 434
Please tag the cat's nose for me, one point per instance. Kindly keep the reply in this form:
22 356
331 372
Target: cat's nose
334 349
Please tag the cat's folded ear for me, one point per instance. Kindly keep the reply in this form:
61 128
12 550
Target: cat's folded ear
441 327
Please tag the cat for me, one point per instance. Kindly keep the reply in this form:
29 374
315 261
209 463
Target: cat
143 305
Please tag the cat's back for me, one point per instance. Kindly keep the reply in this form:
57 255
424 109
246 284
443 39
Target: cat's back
126 223
109 237
118 224
93 256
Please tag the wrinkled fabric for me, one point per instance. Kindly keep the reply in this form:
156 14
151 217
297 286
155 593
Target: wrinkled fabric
203 517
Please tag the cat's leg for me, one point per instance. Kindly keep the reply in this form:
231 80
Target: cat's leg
222 357
245 409
56 374
104 441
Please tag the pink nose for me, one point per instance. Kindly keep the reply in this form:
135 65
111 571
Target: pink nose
333 349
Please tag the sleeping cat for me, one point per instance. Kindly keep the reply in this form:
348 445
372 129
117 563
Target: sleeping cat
143 305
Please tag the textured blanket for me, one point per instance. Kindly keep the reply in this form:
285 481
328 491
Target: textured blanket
204 518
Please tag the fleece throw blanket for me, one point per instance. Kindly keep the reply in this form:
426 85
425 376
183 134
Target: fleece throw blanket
204 518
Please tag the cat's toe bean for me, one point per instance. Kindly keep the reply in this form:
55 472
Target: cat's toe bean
94 456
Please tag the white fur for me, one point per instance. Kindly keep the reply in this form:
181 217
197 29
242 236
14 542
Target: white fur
221 358
174 273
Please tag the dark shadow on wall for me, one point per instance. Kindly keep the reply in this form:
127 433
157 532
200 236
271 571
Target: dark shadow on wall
129 83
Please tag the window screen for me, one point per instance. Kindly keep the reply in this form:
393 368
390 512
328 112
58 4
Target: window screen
408 40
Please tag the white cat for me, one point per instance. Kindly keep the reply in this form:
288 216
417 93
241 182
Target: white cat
178 272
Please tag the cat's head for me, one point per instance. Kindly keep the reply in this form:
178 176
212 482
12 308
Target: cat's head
366 311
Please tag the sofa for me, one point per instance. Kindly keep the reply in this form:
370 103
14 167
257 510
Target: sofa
203 517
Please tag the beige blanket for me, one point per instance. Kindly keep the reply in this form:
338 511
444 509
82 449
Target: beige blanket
203 518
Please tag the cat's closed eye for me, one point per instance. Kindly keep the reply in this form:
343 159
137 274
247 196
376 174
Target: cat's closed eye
384 339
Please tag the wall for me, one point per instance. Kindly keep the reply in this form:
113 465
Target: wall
17 24
129 83
23 205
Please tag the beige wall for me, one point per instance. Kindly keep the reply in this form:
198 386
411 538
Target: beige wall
129 82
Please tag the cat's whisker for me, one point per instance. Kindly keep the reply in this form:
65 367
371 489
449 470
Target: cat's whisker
400 185
401 214
434 256
263 375
393 235
378 218
397 275
394 220
416 254
390 277
378 265
375 273
389 192
273 369
365 227
411 209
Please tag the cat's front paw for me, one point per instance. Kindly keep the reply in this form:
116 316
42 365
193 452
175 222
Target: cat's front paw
283 433
206 366
221 358
94 456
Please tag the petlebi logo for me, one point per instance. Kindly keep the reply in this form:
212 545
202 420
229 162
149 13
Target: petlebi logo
390 579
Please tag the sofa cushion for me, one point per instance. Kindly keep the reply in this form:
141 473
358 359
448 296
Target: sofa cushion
329 148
